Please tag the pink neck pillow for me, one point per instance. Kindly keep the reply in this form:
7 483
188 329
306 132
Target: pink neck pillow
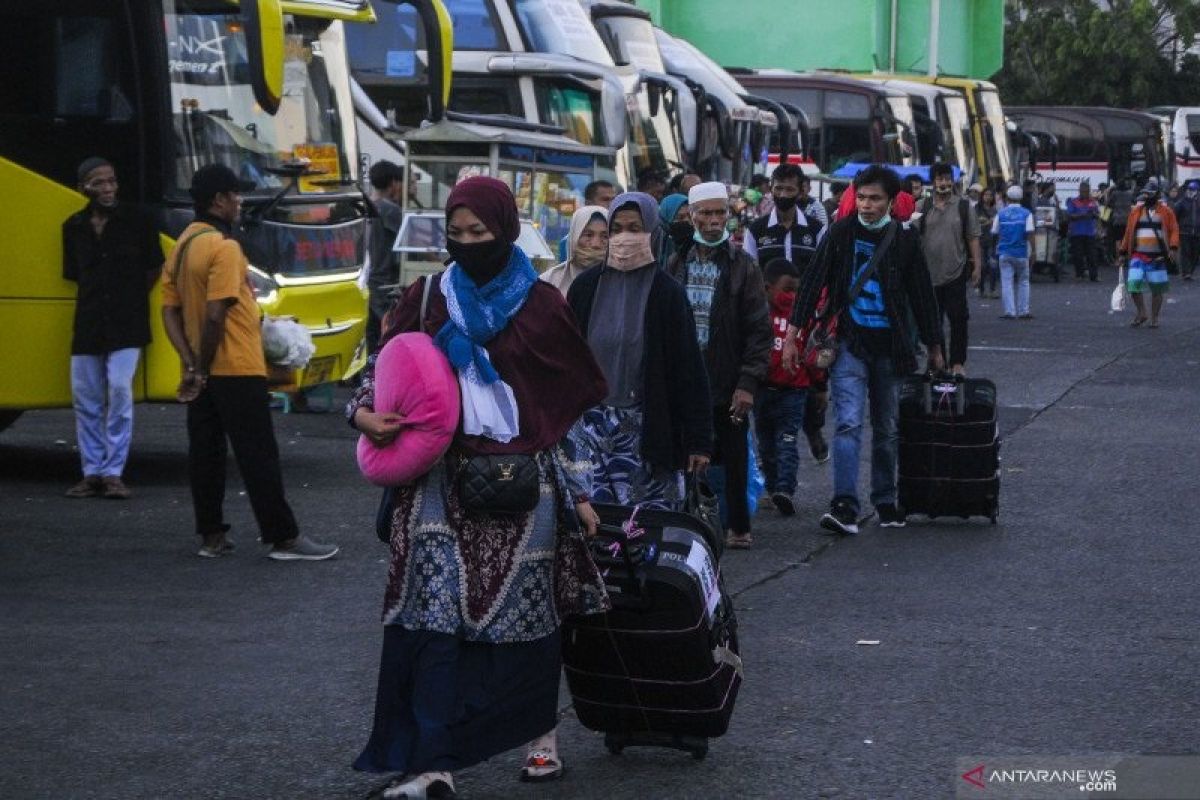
414 379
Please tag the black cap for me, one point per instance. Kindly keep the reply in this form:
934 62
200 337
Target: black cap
212 179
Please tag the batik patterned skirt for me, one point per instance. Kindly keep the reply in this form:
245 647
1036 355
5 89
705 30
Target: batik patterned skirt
472 609
620 475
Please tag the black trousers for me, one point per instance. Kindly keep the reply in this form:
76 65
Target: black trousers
816 401
1189 251
1084 257
236 409
952 305
731 451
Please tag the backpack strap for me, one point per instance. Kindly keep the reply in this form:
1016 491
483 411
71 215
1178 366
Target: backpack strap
180 252
425 290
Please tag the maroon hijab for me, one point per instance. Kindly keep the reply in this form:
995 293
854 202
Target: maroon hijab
490 200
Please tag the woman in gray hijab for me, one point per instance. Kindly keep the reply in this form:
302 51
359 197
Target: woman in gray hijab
656 420
653 424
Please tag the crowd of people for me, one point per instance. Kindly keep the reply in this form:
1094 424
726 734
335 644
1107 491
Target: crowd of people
688 326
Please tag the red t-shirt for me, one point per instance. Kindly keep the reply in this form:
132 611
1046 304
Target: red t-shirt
777 376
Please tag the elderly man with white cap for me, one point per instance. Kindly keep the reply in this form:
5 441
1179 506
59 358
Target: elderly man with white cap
728 300
1013 229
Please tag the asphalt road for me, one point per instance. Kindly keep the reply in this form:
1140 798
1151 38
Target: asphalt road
132 669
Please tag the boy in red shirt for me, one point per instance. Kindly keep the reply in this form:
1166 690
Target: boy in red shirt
779 408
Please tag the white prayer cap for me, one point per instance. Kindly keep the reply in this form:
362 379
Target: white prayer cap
711 190
1014 193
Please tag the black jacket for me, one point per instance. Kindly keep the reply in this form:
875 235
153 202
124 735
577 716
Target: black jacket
739 338
676 409
903 276
114 272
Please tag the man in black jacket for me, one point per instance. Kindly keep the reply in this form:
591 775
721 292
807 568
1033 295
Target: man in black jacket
878 330
729 302
111 251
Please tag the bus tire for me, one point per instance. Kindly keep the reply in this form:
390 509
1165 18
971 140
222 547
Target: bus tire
8 417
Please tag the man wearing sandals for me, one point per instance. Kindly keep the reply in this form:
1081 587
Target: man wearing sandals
1151 236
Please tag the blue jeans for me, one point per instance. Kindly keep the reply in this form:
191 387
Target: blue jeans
1014 270
102 390
853 382
778 416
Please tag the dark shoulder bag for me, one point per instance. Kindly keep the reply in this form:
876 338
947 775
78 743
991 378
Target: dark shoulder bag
822 346
383 516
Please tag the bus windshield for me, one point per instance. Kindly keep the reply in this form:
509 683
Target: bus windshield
563 27
995 146
217 120
959 121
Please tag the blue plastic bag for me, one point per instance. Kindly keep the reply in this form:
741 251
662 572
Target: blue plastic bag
755 482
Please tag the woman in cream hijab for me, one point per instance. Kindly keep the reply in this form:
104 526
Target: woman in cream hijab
587 243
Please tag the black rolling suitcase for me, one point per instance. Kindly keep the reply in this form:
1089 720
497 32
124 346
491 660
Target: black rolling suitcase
949 447
662 667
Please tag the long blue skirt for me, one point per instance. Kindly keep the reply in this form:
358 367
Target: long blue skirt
445 703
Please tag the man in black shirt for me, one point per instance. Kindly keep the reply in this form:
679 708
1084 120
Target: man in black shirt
111 251
876 331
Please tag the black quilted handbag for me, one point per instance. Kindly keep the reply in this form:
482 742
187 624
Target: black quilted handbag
499 484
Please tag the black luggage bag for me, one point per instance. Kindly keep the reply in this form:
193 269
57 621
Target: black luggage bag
949 447
662 667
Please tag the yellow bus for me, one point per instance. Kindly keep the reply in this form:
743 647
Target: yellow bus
987 121
160 88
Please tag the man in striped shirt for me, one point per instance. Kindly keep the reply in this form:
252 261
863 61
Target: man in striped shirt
1150 233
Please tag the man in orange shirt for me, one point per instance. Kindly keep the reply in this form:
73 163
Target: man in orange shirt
214 324
1151 237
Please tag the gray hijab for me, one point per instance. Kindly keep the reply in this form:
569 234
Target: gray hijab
616 331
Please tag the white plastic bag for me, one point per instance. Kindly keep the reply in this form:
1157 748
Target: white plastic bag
286 342
1120 295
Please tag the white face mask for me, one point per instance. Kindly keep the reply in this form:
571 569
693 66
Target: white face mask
628 251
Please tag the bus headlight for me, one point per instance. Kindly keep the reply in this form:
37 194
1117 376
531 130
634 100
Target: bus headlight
266 290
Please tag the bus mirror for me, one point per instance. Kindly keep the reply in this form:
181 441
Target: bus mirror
439 43
263 21
654 95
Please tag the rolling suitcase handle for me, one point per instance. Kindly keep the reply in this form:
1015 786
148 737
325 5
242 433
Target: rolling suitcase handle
621 553
947 387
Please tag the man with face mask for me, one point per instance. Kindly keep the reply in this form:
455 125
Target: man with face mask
950 241
878 330
111 251
787 232
1187 213
728 299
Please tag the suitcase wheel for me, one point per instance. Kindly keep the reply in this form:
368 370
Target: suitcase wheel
615 743
697 747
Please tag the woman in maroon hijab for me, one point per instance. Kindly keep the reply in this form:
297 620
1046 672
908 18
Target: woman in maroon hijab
474 600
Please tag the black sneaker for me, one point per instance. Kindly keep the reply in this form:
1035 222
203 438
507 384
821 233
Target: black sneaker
783 502
841 518
890 516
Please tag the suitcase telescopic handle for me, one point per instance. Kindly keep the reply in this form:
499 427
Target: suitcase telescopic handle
620 539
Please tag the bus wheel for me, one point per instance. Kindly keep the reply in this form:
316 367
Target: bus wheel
8 418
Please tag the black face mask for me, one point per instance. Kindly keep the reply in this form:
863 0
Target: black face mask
482 261
681 233
785 203
1151 200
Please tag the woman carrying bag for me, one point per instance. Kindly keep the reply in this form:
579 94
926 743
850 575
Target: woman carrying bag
487 555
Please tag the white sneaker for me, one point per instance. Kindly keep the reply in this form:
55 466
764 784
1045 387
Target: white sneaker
425 785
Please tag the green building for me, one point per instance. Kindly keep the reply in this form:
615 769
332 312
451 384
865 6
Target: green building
854 35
